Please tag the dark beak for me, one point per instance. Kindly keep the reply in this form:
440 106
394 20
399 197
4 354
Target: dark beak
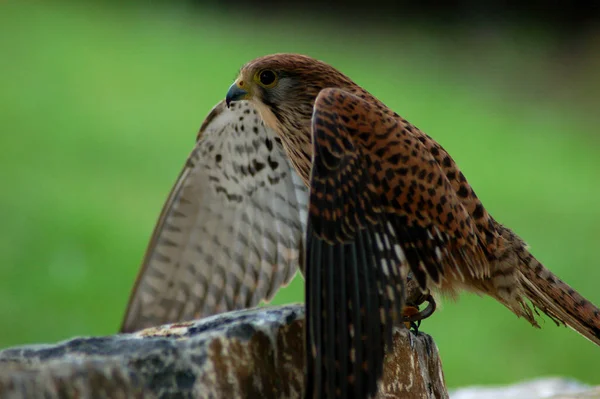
235 93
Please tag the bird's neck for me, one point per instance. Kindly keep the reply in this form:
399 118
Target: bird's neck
296 138
298 147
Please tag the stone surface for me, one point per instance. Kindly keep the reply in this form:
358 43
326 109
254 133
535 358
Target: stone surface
256 353
549 388
245 354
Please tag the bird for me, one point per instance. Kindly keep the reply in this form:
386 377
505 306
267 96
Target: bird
385 199
231 231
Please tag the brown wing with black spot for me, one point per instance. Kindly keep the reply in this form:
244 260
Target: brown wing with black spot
380 205
486 227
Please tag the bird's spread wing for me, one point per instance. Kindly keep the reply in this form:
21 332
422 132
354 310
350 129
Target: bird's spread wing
232 230
380 205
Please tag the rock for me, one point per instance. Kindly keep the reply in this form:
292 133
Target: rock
243 354
548 388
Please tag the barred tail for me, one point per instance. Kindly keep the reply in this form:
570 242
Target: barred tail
557 299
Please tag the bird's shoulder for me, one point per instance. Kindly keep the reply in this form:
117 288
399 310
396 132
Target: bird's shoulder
410 168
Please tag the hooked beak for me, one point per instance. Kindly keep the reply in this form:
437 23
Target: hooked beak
236 93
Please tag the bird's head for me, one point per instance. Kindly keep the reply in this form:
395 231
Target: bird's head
283 88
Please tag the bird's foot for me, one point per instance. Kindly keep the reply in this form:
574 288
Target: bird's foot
412 314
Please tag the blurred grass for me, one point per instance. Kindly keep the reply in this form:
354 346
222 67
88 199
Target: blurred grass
100 106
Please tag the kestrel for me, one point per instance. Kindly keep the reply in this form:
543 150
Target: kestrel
232 230
385 199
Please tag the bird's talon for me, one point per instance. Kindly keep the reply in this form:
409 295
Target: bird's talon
408 315
412 314
414 326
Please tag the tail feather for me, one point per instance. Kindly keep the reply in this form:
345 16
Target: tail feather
557 299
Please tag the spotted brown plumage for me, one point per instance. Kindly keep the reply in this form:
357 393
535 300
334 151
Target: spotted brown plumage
232 230
385 199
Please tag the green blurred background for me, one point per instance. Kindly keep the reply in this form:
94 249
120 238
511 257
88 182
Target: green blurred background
100 105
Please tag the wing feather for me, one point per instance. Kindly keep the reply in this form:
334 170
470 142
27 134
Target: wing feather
231 231
334 367
373 191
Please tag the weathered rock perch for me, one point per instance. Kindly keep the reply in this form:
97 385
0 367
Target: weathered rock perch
256 353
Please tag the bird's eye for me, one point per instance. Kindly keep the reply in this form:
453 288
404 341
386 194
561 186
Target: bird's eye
267 78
